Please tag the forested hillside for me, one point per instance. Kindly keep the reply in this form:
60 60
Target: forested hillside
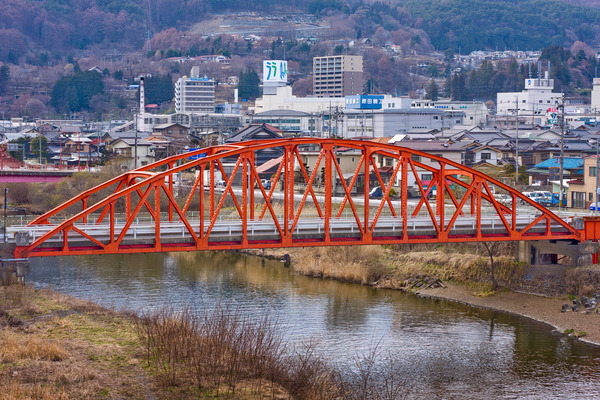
504 24
59 27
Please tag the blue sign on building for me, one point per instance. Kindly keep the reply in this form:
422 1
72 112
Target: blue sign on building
365 102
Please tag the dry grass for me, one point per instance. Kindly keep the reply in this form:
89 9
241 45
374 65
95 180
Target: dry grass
360 264
392 266
66 348
16 347
13 390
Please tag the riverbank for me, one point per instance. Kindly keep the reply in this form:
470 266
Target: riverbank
538 293
54 346
537 307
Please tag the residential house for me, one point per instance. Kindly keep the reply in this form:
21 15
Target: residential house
582 191
126 148
259 132
173 131
453 152
549 170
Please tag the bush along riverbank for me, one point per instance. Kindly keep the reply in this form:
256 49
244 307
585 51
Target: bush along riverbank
56 347
475 274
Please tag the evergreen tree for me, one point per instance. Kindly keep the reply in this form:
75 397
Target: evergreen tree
4 78
73 92
158 89
432 91
248 84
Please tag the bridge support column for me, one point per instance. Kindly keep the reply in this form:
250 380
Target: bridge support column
523 252
551 252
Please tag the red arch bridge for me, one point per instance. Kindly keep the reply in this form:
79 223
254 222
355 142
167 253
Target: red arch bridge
317 194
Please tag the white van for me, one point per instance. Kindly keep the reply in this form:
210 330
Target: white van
220 186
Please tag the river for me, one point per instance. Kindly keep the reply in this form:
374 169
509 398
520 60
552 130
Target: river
445 350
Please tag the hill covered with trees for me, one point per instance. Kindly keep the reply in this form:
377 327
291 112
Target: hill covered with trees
39 31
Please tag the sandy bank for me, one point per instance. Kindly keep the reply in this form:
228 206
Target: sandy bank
539 308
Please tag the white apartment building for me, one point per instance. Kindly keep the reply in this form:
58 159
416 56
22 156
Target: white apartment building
532 103
596 95
283 99
195 94
476 112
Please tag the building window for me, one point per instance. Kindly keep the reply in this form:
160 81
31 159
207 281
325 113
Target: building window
486 156
590 196
416 158
592 171
426 177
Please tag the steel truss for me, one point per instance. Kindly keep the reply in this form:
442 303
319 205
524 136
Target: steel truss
154 194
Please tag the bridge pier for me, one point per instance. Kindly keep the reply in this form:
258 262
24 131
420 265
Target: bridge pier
551 251
12 270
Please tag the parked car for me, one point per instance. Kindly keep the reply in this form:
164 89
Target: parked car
376 193
595 206
503 198
266 183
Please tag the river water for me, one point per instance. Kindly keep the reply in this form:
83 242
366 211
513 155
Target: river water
446 350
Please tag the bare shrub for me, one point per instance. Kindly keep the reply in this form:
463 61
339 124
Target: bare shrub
221 347
306 376
375 377
12 295
18 193
583 280
225 350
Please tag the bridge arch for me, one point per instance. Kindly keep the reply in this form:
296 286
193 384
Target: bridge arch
151 210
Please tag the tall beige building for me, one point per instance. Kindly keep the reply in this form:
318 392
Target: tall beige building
337 76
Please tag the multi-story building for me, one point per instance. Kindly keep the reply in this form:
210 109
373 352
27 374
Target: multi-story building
532 105
596 96
195 94
337 76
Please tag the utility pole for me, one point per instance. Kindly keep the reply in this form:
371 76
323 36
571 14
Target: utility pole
597 163
517 144
562 151
5 207
40 138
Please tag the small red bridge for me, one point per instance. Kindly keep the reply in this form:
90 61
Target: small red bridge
149 210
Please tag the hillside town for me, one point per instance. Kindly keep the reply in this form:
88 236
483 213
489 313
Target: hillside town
530 131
